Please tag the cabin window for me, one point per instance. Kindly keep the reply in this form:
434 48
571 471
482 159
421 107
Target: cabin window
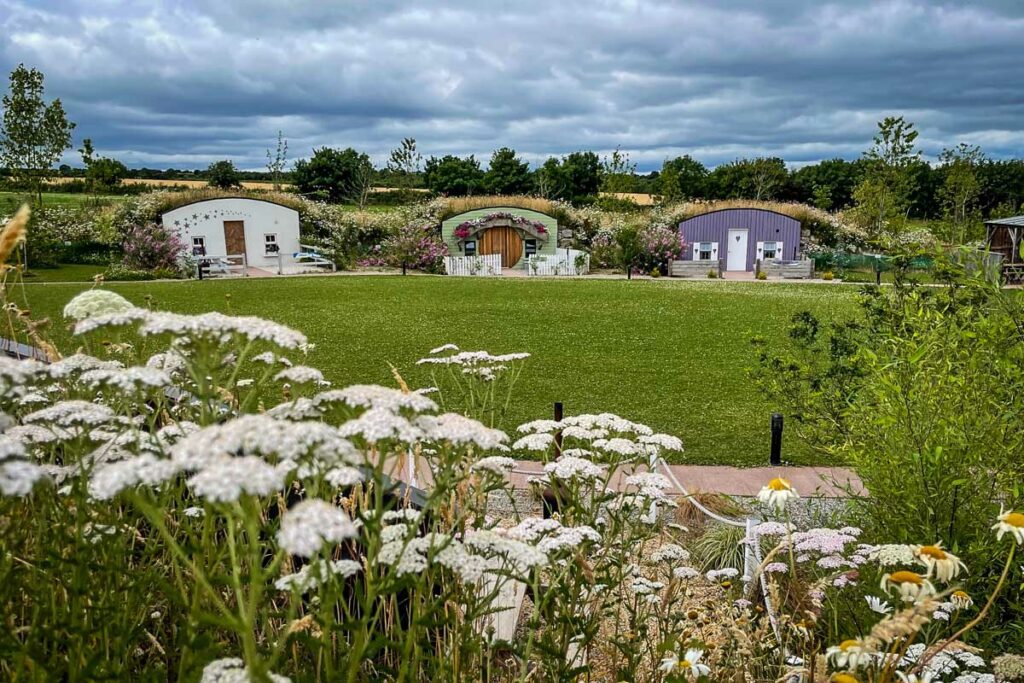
704 251
470 248
270 247
771 251
531 247
199 246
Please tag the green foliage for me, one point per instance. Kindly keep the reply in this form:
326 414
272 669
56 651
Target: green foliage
223 175
507 174
629 248
453 176
33 134
333 175
119 272
682 178
614 204
64 234
960 192
923 394
583 175
761 178
829 184
105 174
618 173
883 198
719 547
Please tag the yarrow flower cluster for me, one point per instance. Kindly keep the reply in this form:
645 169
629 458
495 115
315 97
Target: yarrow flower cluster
93 302
306 527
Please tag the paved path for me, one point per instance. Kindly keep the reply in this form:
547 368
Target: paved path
824 482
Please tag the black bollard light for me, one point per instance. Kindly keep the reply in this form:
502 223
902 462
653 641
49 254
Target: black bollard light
776 452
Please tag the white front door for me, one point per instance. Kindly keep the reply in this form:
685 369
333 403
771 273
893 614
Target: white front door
737 253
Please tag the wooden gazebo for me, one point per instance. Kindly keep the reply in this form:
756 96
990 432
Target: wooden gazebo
1005 236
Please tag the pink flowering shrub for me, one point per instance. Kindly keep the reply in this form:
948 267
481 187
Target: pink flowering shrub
659 245
151 246
414 246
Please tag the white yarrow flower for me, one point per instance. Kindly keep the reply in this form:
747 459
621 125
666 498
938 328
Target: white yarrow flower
96 302
306 527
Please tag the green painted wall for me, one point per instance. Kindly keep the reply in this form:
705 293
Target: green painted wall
547 248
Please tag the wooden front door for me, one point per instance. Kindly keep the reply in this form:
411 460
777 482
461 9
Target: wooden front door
504 241
234 237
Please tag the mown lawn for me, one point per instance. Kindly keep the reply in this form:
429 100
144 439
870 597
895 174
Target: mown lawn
67 272
673 354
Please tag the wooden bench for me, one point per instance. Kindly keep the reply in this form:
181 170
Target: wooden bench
787 270
694 268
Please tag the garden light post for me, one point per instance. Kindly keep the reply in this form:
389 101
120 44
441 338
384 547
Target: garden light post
776 448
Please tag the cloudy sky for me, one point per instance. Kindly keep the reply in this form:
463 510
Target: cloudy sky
179 83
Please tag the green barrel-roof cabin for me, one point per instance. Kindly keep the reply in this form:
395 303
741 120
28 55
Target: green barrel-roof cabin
511 232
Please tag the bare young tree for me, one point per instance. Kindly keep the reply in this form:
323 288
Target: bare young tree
276 160
405 163
360 185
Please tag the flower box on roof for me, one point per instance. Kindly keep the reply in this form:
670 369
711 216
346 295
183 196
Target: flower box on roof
529 227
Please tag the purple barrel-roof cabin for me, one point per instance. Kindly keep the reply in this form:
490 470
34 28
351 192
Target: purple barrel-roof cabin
739 237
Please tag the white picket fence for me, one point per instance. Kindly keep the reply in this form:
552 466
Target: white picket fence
564 262
485 265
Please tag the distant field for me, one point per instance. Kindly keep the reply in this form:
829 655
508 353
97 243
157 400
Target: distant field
673 354
10 201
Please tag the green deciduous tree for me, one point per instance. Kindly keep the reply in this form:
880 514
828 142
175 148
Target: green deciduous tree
105 173
101 173
454 176
552 179
33 134
583 174
828 184
884 195
759 178
334 175
960 191
681 179
618 173
223 174
507 173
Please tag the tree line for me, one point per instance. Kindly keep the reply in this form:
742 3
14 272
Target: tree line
884 190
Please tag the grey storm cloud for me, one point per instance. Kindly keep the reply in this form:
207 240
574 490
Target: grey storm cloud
183 82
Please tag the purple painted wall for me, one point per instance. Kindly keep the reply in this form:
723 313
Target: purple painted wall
762 226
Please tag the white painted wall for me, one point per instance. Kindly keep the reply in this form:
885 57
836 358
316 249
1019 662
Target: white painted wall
206 219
